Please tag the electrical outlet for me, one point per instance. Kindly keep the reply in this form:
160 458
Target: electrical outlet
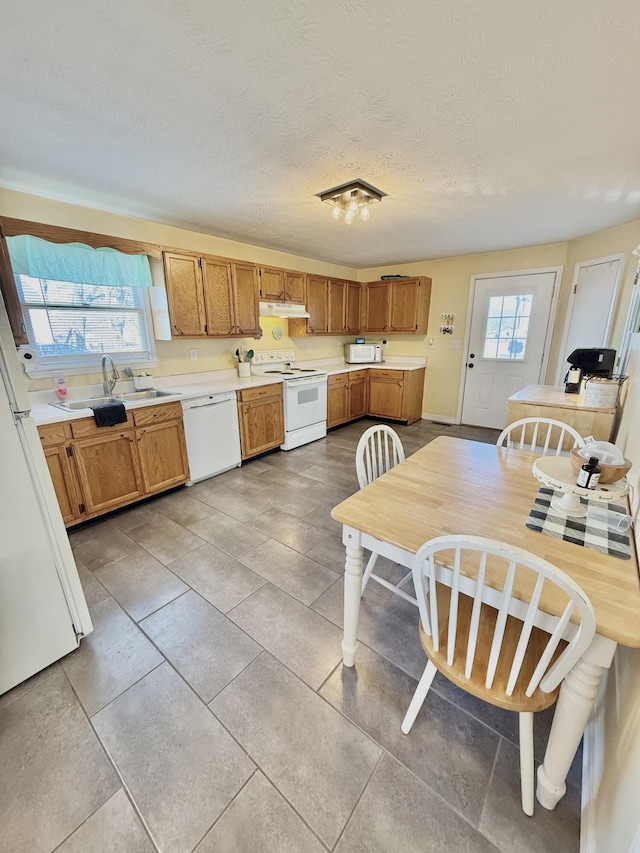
455 344
309 346
193 354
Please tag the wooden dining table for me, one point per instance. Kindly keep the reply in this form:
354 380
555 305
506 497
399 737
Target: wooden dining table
456 486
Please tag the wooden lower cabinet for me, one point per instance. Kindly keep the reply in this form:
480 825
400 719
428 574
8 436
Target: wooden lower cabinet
64 482
346 397
396 394
163 456
261 415
108 471
98 469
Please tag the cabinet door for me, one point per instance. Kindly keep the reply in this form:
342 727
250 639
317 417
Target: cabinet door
272 284
386 397
218 297
246 292
353 314
337 399
337 291
377 306
64 482
261 426
163 456
294 287
183 278
357 399
108 470
405 296
317 305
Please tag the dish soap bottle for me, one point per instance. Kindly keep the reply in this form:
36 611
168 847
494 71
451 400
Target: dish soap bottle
60 387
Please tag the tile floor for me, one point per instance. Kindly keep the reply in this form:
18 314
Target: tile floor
209 710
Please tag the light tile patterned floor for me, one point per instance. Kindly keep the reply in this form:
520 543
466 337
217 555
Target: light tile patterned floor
209 710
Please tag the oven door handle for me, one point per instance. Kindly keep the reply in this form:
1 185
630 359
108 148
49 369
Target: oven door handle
306 383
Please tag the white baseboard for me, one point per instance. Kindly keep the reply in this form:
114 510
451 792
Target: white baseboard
442 419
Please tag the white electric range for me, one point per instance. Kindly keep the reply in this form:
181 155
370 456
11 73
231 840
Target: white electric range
304 393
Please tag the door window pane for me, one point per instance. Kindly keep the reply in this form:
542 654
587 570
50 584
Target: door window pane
507 326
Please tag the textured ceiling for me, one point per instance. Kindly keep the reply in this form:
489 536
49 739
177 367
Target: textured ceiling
490 124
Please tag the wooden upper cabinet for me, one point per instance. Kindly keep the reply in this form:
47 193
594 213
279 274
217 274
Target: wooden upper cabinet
294 286
378 294
337 301
183 278
317 305
353 312
218 297
410 305
10 295
272 287
400 305
246 291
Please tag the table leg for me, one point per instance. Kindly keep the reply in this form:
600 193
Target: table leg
353 566
572 713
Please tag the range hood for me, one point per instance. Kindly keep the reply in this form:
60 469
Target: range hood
283 309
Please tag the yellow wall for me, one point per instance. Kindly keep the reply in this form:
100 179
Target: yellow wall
174 355
451 279
450 292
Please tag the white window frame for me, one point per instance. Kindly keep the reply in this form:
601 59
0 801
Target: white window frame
75 365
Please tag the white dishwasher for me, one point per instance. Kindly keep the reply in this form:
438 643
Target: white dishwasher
212 434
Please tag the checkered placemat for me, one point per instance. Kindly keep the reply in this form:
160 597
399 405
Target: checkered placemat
581 531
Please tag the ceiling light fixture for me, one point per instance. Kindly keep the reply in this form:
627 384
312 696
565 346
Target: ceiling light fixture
351 199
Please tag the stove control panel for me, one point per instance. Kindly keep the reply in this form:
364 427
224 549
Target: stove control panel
274 357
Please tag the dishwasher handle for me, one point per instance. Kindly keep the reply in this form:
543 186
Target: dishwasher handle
205 405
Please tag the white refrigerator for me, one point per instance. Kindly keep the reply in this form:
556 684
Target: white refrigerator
43 612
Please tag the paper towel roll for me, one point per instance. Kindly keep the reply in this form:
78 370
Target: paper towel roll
27 355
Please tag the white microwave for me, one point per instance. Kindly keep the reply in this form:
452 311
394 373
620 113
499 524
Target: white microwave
362 353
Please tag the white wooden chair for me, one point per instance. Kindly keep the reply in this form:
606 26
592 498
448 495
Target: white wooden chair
379 450
491 644
527 434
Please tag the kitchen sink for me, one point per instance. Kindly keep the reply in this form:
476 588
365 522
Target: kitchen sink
72 405
145 395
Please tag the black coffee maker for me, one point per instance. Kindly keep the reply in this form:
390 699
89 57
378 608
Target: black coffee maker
588 362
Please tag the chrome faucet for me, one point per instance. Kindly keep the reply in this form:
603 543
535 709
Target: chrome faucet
109 384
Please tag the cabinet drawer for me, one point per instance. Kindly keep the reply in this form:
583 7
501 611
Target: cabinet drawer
155 414
247 395
397 375
52 434
338 379
88 426
357 375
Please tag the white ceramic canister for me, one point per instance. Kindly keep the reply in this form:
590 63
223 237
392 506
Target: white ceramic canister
601 393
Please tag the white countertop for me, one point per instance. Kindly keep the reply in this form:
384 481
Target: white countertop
188 386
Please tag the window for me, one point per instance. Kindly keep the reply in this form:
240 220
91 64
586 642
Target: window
507 327
71 324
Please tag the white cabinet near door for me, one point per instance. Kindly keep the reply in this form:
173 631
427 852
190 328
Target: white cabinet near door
508 340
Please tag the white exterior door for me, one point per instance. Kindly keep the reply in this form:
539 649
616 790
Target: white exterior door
509 325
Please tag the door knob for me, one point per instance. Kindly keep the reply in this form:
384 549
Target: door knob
470 365
472 355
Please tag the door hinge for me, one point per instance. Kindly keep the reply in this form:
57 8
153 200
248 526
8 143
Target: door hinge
206 330
69 450
575 288
200 262
82 508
